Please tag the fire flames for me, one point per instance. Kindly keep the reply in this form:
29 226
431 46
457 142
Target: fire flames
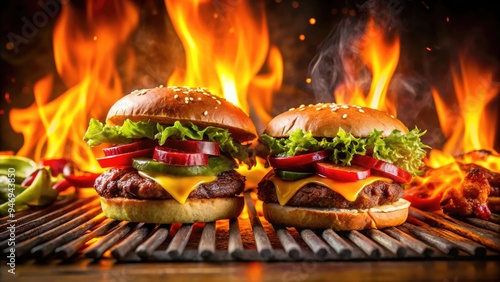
468 120
469 125
381 56
226 47
85 50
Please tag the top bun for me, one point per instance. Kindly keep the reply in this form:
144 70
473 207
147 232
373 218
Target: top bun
166 105
324 120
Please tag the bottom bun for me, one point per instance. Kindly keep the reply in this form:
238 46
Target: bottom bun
337 219
171 211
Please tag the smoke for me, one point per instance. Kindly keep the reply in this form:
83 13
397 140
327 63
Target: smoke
338 65
338 61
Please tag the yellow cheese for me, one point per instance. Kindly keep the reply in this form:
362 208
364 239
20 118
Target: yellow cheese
178 186
350 190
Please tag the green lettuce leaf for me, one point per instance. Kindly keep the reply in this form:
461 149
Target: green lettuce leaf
403 150
98 133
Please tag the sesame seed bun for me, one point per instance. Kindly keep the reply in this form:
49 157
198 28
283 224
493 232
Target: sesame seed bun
337 219
166 105
324 120
171 211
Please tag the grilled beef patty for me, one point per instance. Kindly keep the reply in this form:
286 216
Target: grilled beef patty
317 196
127 183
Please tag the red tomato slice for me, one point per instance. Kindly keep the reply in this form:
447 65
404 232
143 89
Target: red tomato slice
342 173
124 159
384 168
132 147
287 163
189 146
175 157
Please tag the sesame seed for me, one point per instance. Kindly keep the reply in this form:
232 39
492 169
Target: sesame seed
218 102
344 115
319 109
176 96
344 107
324 106
161 86
291 109
302 109
214 97
310 105
301 106
205 113
187 101
186 98
361 111
140 92
199 98
191 98
392 116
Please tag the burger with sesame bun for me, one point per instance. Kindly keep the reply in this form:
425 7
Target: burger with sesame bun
338 166
172 156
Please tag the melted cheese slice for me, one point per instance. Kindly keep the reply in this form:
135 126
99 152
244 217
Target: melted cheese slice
178 186
350 190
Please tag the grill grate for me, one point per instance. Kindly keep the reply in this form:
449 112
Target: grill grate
76 228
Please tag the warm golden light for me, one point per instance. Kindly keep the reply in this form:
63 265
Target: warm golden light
468 121
227 53
381 57
54 128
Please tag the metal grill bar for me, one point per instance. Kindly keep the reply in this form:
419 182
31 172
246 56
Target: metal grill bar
147 248
77 228
180 241
207 242
235 245
261 240
290 245
340 246
391 244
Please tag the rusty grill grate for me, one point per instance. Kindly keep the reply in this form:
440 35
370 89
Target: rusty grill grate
77 228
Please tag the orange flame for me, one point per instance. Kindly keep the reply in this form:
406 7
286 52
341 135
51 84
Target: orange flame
469 121
226 45
381 57
84 51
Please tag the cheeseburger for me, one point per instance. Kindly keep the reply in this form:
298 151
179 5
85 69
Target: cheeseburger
338 166
173 156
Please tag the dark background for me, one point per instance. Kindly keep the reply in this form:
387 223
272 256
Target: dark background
473 25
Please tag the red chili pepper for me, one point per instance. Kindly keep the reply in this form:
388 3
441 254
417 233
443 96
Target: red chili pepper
82 181
62 185
427 204
28 180
56 165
